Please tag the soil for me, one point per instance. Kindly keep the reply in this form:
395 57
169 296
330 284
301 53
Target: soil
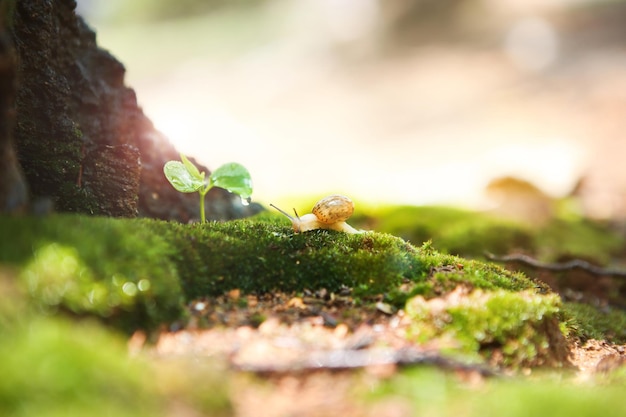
313 355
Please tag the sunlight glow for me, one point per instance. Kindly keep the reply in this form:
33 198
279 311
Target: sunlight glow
306 117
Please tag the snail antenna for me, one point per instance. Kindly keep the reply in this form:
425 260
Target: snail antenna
283 212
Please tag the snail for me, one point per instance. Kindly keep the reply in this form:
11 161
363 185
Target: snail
329 213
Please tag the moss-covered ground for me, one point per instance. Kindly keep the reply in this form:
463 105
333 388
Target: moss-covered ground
76 286
471 234
138 273
56 365
435 394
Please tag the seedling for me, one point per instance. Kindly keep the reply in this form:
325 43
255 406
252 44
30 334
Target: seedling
186 178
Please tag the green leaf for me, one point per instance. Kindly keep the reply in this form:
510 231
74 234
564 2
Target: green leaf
179 176
234 178
193 170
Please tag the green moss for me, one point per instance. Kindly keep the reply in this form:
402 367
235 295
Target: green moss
578 237
137 273
59 368
588 322
516 324
550 398
210 262
455 231
118 270
447 272
262 256
470 233
437 394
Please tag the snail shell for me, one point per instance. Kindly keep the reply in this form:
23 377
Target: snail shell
329 213
333 209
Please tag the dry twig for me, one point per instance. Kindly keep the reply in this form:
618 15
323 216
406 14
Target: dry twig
346 359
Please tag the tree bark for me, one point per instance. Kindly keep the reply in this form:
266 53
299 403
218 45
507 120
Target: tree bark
80 136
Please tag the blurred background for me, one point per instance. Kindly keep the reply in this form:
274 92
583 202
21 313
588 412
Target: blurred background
388 101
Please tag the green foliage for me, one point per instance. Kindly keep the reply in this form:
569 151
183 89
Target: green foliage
514 323
234 178
186 178
588 322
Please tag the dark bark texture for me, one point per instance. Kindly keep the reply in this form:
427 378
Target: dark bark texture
13 192
81 139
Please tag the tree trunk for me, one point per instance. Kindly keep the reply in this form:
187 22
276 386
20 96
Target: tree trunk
81 139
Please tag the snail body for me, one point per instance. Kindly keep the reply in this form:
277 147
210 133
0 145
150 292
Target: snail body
329 213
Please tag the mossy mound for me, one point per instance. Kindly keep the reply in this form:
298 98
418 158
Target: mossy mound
261 256
512 328
138 273
118 270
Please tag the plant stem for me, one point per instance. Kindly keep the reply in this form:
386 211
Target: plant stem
202 216
202 195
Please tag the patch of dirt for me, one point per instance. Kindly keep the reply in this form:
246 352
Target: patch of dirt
234 309
290 338
317 394
596 356
275 372
319 354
